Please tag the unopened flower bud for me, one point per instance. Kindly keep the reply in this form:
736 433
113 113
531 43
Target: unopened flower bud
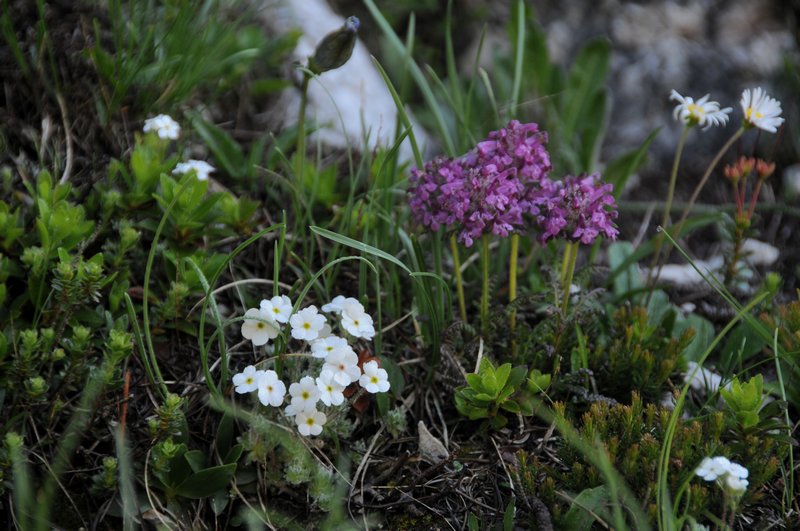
764 169
335 48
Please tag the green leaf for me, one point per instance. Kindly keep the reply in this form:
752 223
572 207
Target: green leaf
704 335
502 373
619 170
586 504
510 405
233 455
475 382
196 459
517 376
355 244
226 151
206 482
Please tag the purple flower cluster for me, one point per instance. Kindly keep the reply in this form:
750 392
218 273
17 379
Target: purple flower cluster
576 208
494 187
488 190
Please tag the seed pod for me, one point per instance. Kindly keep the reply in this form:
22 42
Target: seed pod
335 48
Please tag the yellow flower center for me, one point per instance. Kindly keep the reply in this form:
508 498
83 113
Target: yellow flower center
249 380
269 388
305 395
695 110
260 325
374 379
307 326
750 112
310 421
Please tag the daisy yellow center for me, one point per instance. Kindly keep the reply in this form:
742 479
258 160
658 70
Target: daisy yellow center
695 110
374 379
276 311
310 421
330 388
307 326
751 111
305 395
249 380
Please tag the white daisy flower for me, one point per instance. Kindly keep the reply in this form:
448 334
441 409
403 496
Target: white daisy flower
164 126
259 327
201 168
330 392
760 110
307 324
247 380
310 422
374 379
270 389
701 112
279 307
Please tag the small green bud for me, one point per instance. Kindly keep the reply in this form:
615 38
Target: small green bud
128 236
34 257
111 199
772 282
172 402
13 441
35 387
58 354
29 342
93 271
335 48
80 335
119 344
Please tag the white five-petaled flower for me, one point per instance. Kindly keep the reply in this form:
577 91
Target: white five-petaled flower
305 395
259 327
374 379
342 367
279 307
701 112
307 324
729 475
270 389
310 422
356 321
321 348
760 110
330 392
247 380
164 126
201 168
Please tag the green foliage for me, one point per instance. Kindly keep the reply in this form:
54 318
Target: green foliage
491 393
632 436
744 400
638 355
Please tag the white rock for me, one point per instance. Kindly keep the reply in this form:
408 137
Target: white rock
348 104
702 379
683 275
758 253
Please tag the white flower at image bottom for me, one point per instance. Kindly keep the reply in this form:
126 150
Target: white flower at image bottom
307 324
374 379
310 422
305 395
279 307
270 389
164 126
201 168
760 110
247 380
259 327
701 112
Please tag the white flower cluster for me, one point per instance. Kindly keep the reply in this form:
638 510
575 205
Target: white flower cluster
340 363
729 475
164 126
759 110
201 168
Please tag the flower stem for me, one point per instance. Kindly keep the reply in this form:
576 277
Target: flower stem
300 154
675 232
485 285
673 178
512 277
567 271
462 307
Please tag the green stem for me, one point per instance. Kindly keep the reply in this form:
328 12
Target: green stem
673 179
485 285
300 154
676 231
462 306
512 276
567 271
